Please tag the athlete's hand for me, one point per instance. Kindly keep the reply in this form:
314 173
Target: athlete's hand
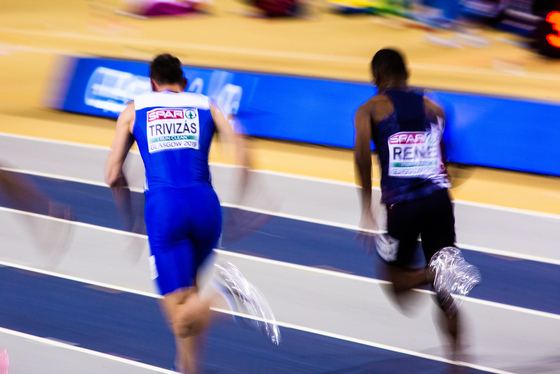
368 232
239 223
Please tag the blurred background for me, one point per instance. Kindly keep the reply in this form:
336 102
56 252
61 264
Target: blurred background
75 278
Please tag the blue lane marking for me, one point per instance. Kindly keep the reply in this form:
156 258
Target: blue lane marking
521 283
57 308
131 326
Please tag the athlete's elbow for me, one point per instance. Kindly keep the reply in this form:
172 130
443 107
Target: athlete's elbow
113 177
362 162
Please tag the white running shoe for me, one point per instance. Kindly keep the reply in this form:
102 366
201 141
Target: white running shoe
246 299
452 276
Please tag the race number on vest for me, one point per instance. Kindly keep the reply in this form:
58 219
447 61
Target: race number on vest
414 154
169 128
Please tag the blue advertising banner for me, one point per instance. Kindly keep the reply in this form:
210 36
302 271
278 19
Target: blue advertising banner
481 130
272 106
502 133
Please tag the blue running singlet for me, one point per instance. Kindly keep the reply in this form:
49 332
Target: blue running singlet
183 215
409 150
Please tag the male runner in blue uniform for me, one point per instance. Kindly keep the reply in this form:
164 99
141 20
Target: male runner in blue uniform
406 128
173 130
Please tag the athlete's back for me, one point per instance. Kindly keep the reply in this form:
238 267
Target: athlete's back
408 145
173 132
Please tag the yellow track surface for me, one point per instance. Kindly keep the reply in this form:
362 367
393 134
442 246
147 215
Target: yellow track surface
34 33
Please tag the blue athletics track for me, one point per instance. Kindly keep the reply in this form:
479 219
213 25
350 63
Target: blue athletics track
327 294
129 325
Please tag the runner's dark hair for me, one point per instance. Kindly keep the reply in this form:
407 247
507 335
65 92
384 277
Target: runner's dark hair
166 69
389 62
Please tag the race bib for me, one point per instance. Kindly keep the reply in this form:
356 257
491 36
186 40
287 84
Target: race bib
414 155
169 129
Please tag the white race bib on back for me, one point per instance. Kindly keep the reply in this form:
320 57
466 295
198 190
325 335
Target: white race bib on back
172 128
414 154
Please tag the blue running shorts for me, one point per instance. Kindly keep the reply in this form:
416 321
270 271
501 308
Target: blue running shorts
184 225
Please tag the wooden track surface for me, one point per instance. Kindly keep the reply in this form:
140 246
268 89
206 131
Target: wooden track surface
33 33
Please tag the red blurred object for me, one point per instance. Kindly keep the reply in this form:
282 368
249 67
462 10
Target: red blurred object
165 8
554 19
4 362
277 8
159 7
546 37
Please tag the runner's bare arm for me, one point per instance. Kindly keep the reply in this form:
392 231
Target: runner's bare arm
122 142
230 138
114 175
362 161
24 193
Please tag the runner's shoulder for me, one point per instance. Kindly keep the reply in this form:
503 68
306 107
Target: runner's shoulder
432 108
376 103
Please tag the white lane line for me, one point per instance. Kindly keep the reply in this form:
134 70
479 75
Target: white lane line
73 347
26 48
491 251
55 176
353 185
359 278
304 268
264 53
74 223
189 46
513 255
497 252
298 218
54 141
298 177
357 228
276 173
80 280
132 15
369 343
306 178
224 311
69 346
508 209
483 71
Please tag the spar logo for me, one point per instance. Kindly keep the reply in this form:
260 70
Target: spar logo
408 138
167 114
